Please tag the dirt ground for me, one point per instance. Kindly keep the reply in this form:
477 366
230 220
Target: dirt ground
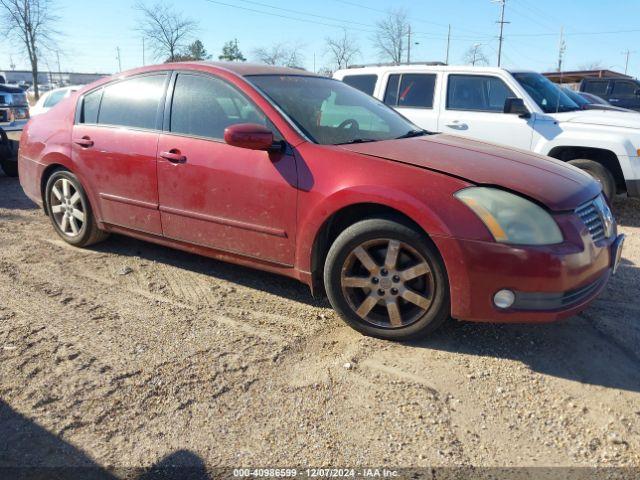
129 354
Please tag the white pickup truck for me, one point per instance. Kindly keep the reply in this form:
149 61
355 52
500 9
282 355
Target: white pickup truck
520 109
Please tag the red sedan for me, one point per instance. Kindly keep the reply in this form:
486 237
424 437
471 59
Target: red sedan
301 175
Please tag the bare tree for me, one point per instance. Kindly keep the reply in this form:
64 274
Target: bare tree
166 28
31 23
342 50
279 54
389 38
597 65
475 56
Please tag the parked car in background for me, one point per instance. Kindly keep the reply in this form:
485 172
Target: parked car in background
515 108
14 108
619 92
591 102
51 98
286 171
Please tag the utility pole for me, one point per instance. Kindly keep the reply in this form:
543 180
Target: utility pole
59 71
409 45
475 54
562 47
627 54
143 60
119 60
448 45
12 64
503 3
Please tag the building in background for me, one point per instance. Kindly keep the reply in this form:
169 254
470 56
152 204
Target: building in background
57 78
572 79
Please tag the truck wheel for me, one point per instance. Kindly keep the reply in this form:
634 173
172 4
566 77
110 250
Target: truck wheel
70 210
600 173
387 280
9 167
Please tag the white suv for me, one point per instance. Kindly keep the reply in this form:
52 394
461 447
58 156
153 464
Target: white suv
520 109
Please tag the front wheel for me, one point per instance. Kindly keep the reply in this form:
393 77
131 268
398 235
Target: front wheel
387 280
70 212
600 173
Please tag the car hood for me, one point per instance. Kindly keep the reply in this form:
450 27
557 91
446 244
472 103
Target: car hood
605 118
553 183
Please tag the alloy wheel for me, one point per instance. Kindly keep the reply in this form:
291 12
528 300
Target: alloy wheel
387 283
67 207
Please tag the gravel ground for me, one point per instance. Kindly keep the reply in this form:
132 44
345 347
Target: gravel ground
127 354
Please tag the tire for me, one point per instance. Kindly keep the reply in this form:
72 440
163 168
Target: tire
65 197
600 173
354 285
9 167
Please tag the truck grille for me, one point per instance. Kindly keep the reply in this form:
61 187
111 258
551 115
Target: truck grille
591 215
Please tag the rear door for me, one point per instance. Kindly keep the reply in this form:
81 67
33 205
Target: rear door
413 94
115 141
474 108
220 196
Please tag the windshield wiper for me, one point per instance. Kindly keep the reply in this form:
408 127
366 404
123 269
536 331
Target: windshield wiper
357 140
413 133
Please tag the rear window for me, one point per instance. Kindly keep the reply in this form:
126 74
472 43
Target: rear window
133 102
54 98
596 87
410 90
364 83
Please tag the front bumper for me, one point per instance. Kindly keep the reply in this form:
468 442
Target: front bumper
550 282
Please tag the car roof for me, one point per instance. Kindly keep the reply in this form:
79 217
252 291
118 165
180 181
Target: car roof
244 69
425 68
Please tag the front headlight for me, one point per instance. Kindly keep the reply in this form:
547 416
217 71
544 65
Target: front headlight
510 218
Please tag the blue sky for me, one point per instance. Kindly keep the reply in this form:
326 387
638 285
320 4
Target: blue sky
596 31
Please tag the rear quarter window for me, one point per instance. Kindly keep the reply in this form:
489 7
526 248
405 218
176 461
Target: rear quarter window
364 83
90 107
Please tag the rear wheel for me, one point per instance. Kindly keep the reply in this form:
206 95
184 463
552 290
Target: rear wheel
70 212
600 173
387 280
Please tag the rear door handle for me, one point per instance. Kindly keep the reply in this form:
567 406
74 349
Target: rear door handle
174 156
456 125
85 142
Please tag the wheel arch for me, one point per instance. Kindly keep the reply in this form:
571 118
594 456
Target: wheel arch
605 157
345 216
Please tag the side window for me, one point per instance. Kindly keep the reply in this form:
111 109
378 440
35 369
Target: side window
410 90
477 93
597 88
204 106
364 83
90 106
133 102
624 89
391 95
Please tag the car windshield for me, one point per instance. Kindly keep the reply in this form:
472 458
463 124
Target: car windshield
330 112
545 93
576 97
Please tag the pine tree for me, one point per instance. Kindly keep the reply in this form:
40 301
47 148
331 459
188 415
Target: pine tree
231 52
196 51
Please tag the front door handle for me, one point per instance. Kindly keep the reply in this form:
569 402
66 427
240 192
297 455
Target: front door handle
174 156
457 125
84 142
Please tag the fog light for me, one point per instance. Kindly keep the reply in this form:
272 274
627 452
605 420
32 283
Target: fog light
504 299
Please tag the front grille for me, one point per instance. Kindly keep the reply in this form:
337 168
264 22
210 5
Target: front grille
590 215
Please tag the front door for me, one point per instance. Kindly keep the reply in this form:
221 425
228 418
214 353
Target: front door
474 108
219 196
115 145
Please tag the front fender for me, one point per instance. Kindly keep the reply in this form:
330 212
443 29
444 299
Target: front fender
421 211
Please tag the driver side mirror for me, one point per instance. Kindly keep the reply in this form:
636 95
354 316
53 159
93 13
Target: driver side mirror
249 135
516 106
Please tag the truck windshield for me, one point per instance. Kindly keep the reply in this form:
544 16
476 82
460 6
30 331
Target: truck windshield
330 112
545 93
